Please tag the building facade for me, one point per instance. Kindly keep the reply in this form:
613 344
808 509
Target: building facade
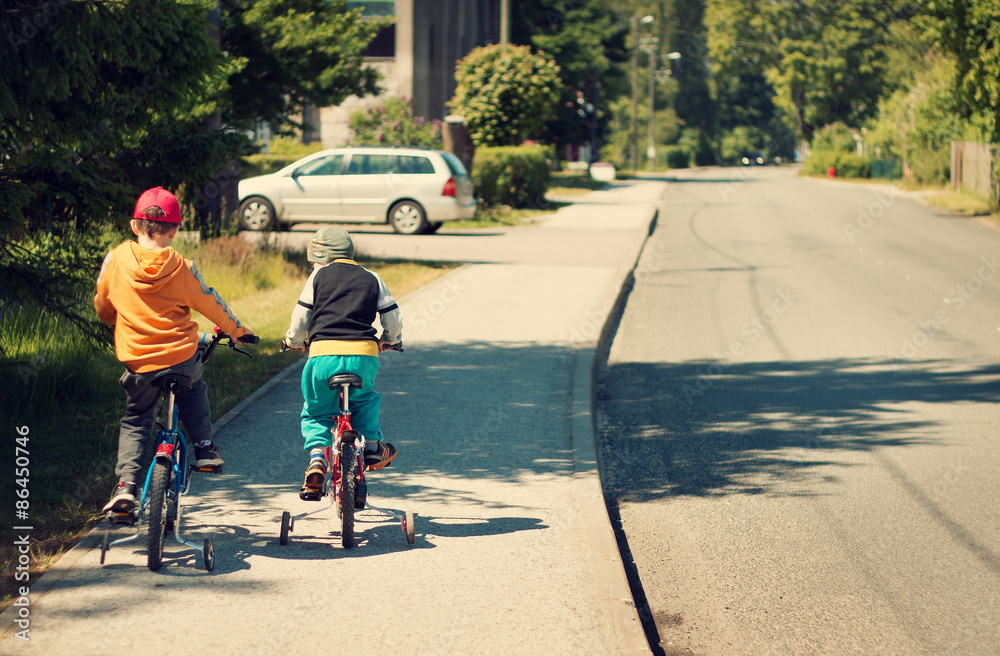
416 57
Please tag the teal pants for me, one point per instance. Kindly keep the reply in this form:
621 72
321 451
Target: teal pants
322 404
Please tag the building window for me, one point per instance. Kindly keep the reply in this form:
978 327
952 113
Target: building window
384 43
374 7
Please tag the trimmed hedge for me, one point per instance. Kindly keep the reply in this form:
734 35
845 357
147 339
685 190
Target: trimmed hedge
262 164
517 176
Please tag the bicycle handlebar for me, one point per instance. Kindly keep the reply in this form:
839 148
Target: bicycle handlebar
283 346
219 336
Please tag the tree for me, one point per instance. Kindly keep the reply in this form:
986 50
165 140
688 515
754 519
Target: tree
586 39
99 99
505 93
824 59
297 52
685 32
970 30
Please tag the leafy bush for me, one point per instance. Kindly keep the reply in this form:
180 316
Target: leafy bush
679 157
917 123
292 148
393 124
261 164
282 151
835 137
834 145
847 165
517 176
505 93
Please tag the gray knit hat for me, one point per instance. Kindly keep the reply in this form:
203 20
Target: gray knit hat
329 244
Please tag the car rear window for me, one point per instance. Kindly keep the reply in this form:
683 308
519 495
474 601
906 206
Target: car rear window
454 164
415 164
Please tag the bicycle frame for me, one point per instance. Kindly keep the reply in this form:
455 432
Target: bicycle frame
171 450
332 485
171 445
333 454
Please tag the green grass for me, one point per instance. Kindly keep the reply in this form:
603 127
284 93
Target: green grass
571 183
960 202
65 390
499 216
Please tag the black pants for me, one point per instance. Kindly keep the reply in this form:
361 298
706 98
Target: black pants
142 392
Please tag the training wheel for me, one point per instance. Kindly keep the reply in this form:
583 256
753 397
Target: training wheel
408 528
208 553
105 544
286 526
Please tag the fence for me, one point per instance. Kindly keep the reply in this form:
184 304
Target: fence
972 169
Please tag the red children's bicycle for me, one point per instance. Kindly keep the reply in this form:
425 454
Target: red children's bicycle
345 485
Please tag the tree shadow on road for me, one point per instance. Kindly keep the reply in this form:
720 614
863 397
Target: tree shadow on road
710 428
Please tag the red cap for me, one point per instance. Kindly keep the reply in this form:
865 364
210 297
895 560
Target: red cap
158 197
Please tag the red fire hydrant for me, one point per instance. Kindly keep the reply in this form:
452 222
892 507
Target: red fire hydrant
831 172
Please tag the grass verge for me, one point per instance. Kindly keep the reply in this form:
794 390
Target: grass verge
66 392
959 202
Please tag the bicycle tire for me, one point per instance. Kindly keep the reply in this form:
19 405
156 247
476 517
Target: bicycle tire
159 482
348 489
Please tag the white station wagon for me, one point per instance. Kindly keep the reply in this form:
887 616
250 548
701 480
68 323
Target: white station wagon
412 189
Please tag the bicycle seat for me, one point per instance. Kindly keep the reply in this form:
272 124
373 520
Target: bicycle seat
353 380
172 382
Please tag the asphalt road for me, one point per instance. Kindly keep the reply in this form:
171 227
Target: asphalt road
798 420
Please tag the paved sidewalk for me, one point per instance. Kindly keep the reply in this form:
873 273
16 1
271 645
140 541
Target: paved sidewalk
490 409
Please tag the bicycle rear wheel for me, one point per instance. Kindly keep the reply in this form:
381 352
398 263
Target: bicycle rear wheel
159 483
348 490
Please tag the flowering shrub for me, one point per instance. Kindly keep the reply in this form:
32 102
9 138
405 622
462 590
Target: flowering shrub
393 124
505 93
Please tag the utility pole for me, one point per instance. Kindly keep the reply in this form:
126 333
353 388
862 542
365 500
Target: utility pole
650 146
633 128
504 22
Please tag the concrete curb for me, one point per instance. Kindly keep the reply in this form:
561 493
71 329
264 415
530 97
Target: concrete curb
621 623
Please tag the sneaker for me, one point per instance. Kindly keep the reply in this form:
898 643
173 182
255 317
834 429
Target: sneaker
312 487
122 498
208 459
383 454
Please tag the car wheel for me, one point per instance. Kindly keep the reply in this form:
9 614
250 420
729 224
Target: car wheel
256 213
408 218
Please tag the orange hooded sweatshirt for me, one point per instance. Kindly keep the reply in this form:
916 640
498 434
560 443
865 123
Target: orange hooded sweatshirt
148 295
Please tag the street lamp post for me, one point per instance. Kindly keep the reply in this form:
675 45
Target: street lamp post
633 140
650 145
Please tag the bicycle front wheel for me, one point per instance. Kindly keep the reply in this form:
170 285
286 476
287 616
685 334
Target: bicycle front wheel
348 490
159 483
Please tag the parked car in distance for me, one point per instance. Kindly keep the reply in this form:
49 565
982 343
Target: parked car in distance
412 189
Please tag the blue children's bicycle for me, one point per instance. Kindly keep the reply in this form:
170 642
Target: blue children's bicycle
168 478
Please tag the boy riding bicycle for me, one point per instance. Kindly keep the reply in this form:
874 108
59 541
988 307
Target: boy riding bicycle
335 313
146 290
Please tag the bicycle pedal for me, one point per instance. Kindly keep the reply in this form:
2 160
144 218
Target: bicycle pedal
209 470
121 519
